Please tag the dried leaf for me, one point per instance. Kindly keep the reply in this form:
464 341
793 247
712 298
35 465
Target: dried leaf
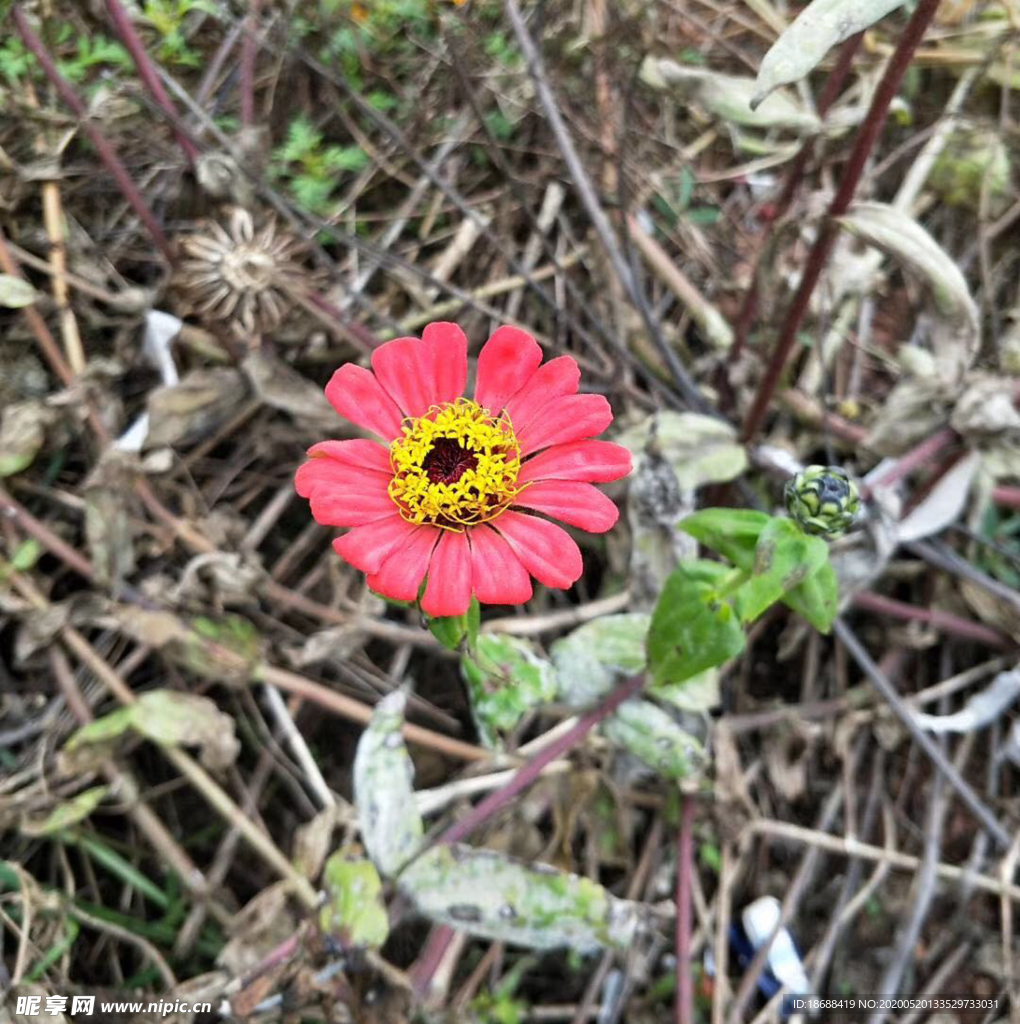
981 710
67 814
655 738
354 911
699 449
728 97
108 528
259 927
898 234
313 839
912 411
22 435
172 718
280 386
492 896
819 26
943 504
16 292
985 410
391 827
194 408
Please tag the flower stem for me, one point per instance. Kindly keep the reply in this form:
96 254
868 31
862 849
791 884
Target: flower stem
865 142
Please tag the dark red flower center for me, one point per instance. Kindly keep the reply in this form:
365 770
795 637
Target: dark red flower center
448 461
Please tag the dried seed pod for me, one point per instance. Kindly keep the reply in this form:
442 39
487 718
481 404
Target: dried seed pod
240 274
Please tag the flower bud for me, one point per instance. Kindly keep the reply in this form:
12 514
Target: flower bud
823 500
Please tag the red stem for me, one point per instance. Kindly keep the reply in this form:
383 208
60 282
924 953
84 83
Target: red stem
425 967
249 51
130 38
1008 496
918 456
106 152
684 1007
529 772
863 145
794 176
944 621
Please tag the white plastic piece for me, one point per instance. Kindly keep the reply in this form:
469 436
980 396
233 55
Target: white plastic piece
759 919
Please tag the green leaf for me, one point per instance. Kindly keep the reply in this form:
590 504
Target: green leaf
732 532
784 558
506 678
817 598
102 730
354 910
691 629
68 813
453 631
344 158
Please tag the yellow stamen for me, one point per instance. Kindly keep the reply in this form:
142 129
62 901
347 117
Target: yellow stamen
454 467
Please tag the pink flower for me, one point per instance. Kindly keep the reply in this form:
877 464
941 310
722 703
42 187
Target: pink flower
451 492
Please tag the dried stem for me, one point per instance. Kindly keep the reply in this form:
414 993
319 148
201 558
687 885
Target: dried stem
819 255
106 151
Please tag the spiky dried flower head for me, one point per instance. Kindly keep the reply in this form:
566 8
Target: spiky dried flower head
240 274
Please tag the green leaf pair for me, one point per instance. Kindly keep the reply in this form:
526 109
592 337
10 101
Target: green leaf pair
699 620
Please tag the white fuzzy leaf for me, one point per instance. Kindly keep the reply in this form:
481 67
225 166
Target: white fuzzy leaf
490 895
391 827
728 97
820 26
899 235
943 504
981 710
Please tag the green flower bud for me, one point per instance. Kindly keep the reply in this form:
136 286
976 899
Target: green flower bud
823 500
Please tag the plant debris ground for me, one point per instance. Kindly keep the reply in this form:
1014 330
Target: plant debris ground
208 206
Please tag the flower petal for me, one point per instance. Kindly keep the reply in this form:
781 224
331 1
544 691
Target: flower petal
548 552
594 461
359 452
554 379
318 477
366 547
357 396
566 419
403 569
360 500
448 591
576 504
406 369
498 577
448 345
505 364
